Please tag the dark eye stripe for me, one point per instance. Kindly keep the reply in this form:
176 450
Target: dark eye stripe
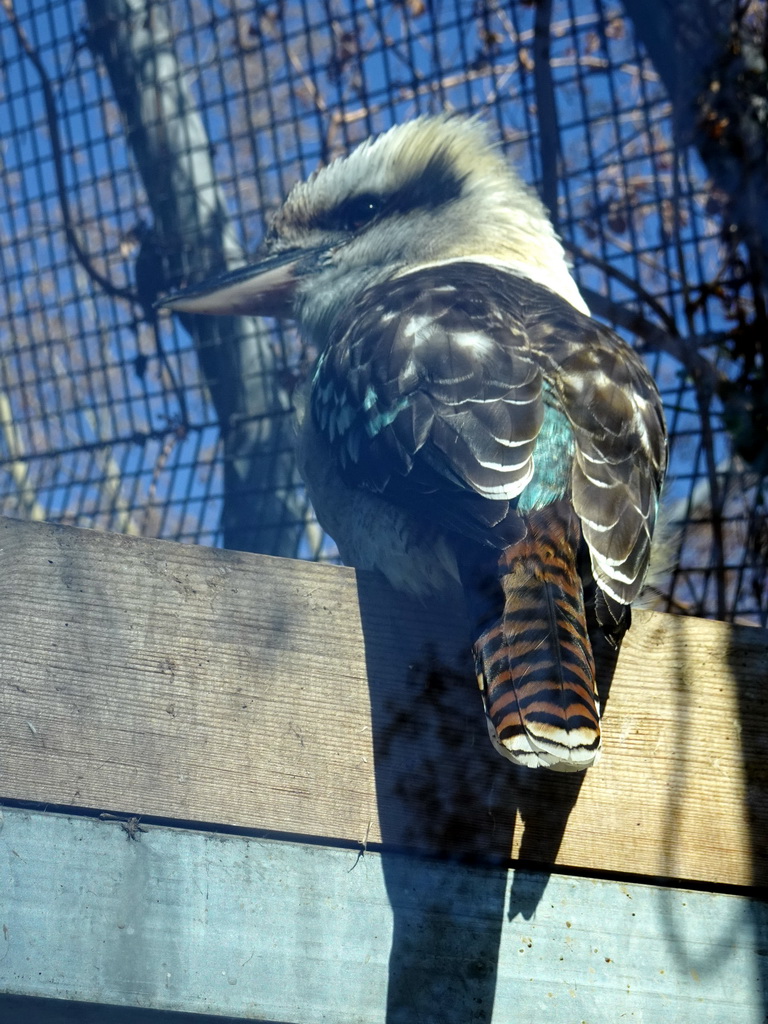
435 185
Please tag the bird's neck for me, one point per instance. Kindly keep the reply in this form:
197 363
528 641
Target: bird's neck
321 304
554 276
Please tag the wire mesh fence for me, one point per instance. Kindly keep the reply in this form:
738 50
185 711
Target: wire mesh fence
145 145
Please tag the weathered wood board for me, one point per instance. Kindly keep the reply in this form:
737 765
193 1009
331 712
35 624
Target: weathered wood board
281 931
201 685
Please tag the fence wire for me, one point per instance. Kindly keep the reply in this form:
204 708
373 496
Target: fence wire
114 419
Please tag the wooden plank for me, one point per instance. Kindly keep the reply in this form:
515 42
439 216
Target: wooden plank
204 685
281 931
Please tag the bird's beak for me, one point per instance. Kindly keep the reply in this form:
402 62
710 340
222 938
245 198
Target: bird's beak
265 288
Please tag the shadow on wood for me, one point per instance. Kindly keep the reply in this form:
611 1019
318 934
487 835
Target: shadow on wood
753 734
441 785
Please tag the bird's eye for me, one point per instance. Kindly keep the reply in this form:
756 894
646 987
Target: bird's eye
359 211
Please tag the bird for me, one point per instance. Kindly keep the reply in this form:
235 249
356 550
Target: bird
466 424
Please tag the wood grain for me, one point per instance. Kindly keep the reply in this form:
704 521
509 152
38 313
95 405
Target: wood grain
200 685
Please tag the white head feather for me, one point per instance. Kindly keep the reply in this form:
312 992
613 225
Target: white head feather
452 197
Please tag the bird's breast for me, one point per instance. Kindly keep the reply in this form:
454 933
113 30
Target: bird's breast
370 532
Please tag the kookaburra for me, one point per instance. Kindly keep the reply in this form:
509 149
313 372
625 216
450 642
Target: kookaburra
466 421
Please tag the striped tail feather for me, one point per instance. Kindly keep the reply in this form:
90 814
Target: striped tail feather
533 656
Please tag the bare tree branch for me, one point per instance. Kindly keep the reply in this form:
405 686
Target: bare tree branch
261 509
546 107
19 466
52 120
